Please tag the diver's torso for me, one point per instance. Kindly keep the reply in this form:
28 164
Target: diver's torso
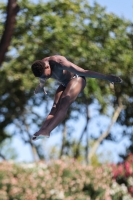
62 76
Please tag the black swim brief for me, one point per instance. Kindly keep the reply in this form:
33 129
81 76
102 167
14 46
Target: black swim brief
75 76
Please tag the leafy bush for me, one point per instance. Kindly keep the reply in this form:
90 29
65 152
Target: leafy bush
61 179
123 173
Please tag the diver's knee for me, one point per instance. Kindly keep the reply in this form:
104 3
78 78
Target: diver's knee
64 103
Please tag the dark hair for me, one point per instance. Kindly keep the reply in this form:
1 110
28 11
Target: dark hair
38 68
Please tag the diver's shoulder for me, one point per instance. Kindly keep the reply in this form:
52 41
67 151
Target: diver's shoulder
57 58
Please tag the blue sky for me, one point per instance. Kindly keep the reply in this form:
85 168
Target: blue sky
122 8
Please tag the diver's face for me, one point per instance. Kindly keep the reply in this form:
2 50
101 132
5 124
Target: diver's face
47 71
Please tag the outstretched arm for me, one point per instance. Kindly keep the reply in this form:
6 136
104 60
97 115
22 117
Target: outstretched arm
67 65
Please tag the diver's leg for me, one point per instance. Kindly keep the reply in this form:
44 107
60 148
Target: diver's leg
74 87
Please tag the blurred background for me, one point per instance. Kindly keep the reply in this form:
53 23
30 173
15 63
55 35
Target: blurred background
95 35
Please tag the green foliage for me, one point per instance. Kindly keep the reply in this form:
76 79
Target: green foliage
86 35
58 180
123 173
7 150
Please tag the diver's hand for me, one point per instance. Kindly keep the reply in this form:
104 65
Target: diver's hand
38 89
114 79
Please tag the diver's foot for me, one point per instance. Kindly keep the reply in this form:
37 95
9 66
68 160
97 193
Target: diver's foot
41 135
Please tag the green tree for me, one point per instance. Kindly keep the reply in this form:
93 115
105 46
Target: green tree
11 11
